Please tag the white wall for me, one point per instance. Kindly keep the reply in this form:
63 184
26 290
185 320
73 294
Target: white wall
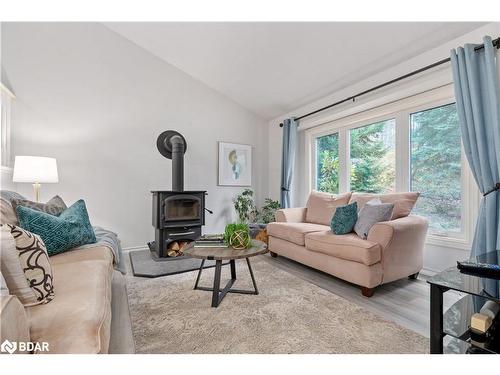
97 102
436 257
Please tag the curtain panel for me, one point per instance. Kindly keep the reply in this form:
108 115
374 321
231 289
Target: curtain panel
477 93
288 160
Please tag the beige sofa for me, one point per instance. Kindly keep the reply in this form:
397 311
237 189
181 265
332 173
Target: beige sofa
392 250
79 318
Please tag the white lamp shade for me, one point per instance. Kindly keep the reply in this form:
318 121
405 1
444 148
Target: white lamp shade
35 169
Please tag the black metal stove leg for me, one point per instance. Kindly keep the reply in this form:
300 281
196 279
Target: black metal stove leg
216 290
251 275
199 274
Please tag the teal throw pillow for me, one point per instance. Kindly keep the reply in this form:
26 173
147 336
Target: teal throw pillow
70 229
345 218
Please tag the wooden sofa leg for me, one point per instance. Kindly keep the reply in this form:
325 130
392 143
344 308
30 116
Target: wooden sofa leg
414 276
367 292
274 255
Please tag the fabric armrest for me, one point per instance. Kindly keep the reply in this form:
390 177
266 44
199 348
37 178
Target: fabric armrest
402 242
14 325
291 215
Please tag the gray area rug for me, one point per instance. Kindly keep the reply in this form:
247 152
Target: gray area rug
290 315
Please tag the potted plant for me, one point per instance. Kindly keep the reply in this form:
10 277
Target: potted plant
244 206
247 211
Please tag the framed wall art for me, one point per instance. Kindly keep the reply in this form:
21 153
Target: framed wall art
235 164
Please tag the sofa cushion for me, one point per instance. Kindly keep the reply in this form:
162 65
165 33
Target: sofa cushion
25 265
322 206
346 246
78 319
294 232
403 202
14 324
55 206
7 213
344 219
70 229
97 252
372 213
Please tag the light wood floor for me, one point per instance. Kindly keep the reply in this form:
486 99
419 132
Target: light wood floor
405 302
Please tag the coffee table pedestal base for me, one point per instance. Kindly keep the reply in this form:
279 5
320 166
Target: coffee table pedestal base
218 294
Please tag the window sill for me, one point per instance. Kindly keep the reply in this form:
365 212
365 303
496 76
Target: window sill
451 242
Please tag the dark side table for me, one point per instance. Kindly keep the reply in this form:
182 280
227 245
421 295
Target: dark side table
449 331
220 254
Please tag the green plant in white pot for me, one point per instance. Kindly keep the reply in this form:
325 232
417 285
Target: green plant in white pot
245 206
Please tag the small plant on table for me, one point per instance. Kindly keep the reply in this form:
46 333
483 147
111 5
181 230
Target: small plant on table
237 236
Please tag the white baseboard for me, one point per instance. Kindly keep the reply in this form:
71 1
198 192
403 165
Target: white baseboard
429 272
134 248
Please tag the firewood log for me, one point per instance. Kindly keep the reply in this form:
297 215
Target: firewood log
172 253
174 246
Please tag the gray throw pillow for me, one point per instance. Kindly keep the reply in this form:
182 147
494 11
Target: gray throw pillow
370 214
54 207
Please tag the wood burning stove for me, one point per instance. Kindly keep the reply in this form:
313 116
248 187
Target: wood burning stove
178 215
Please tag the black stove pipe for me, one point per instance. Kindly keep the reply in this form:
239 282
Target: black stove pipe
177 163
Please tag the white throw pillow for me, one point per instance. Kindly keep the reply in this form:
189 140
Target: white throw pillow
25 266
374 211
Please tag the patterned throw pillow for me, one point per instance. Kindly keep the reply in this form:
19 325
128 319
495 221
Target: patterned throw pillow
25 266
55 206
70 229
372 212
344 218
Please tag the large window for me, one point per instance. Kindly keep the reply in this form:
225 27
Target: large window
410 145
327 165
373 162
435 169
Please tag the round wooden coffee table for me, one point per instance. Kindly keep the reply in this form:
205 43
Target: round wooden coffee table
220 254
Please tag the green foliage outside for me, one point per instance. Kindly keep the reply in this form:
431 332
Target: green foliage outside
372 159
436 166
328 163
373 168
435 163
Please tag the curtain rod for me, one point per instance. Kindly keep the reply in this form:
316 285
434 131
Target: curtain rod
496 43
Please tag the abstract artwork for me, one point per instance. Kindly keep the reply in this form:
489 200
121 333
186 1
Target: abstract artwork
235 164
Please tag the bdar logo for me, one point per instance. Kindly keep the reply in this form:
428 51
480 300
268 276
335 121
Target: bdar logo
8 347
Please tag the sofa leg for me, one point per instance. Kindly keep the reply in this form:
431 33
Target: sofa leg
414 276
274 255
367 292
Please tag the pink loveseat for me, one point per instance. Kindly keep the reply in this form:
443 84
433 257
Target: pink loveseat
392 250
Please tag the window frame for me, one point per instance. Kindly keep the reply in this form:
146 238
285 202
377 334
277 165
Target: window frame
400 111
6 98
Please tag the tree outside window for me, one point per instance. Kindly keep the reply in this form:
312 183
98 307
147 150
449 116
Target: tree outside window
373 162
435 169
327 163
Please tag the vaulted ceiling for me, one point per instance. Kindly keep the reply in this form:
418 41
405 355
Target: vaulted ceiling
272 68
